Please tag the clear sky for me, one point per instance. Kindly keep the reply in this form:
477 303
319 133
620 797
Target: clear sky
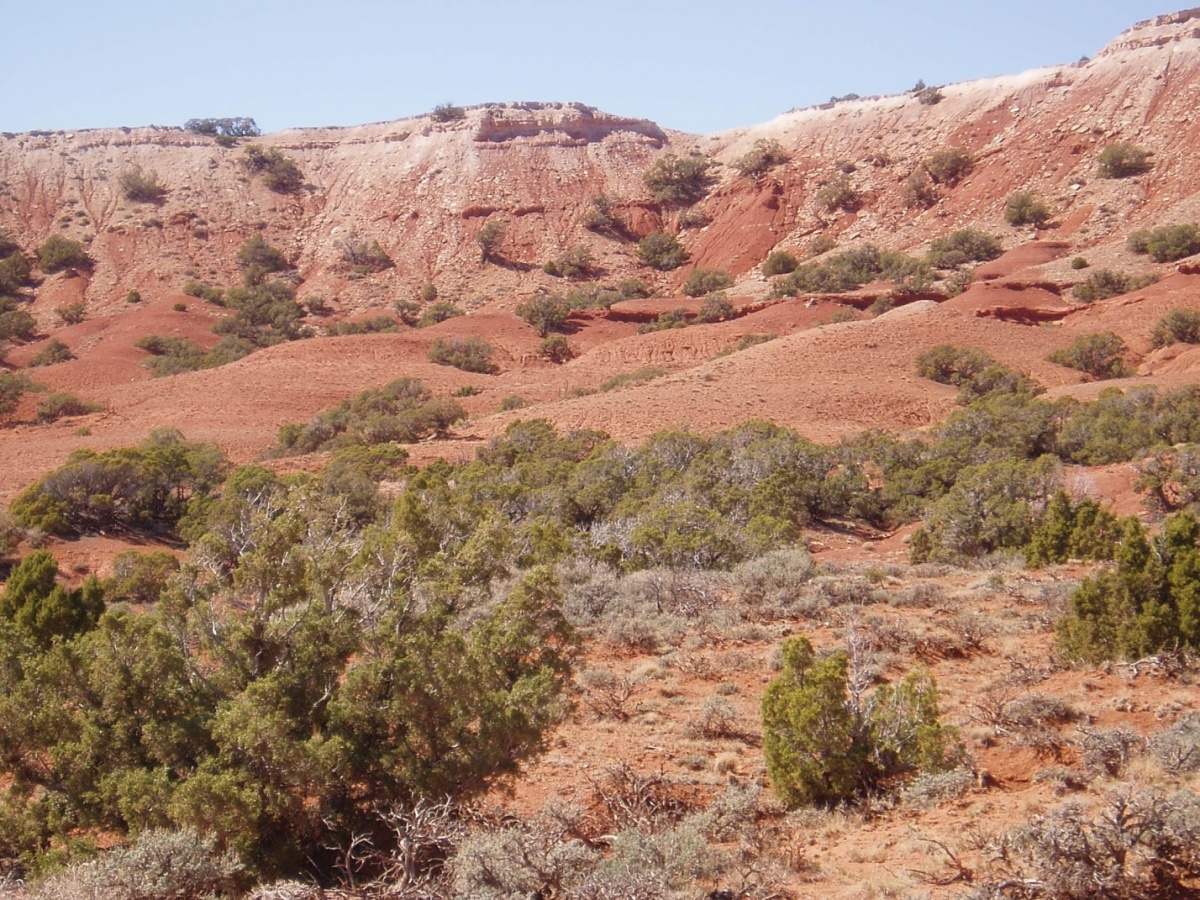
698 66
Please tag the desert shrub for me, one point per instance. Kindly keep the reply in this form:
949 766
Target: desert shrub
1151 601
573 263
775 578
141 186
544 312
662 251
963 246
370 325
701 281
236 127
1138 844
471 354
746 341
716 308
779 262
678 180
930 96
161 865
555 348
139 578
1107 751
71 313
402 411
625 379
1181 324
1177 748
447 112
1122 160
820 243
693 217
1105 283
919 190
171 355
1168 243
949 166
439 311
765 155
279 173
1023 208
838 194
632 288
429 292
822 748
1101 356
362 256
1079 262
57 253
206 292
55 351
13 386
62 406
512 402
602 217
929 789
489 238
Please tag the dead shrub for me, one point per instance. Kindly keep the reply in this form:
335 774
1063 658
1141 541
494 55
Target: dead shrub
1108 750
717 719
632 799
1178 748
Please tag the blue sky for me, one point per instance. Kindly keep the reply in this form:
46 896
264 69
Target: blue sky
697 66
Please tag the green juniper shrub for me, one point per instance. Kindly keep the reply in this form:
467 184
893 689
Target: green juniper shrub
662 251
675 318
555 348
141 186
716 307
1105 283
574 263
1123 160
1167 243
15 323
679 180
369 325
55 351
919 190
57 253
947 364
1149 603
1180 324
765 155
838 194
447 112
701 281
63 406
1101 356
822 749
206 292
257 259
949 166
1068 530
851 269
279 173
15 269
489 238
362 256
966 245
402 412
471 354
544 312
439 311
779 262
71 313
1023 208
